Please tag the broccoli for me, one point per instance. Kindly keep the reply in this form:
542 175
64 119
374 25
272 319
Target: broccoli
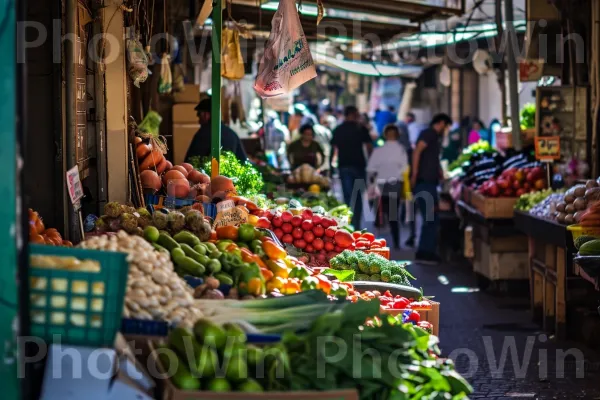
375 269
386 276
362 277
334 263
397 279
396 270
376 278
385 267
364 268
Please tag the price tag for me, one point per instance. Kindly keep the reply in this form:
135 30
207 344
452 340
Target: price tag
547 148
74 185
224 205
531 70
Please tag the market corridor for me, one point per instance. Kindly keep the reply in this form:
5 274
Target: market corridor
476 328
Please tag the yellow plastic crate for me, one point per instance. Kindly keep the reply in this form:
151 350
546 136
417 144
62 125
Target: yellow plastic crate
578 231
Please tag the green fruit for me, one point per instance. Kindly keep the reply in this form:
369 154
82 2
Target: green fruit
236 369
208 333
166 241
376 278
218 385
181 377
591 248
201 249
234 331
581 240
151 234
214 266
210 246
215 254
250 386
207 362
224 278
187 238
232 348
246 233
177 254
204 260
254 355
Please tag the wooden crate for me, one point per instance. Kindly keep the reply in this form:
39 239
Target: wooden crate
494 207
495 266
432 316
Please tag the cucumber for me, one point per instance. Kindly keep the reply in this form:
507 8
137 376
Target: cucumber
158 247
177 254
166 241
182 378
191 253
191 266
581 240
187 237
183 341
201 249
224 278
591 248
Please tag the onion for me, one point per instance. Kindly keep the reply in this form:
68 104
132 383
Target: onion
181 169
169 166
221 184
150 180
189 167
198 177
179 188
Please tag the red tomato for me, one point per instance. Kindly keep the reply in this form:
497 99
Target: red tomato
329 246
338 249
402 302
279 233
375 246
326 222
318 244
277 221
317 219
287 216
383 242
414 317
356 235
287 239
307 225
301 244
330 231
343 239
309 248
297 233
307 213
270 214
287 227
319 231
296 220
309 236
369 237
263 223
388 294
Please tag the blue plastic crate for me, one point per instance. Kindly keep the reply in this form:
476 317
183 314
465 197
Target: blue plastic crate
195 282
77 308
210 210
130 326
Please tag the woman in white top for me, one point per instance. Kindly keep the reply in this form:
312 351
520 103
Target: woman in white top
387 165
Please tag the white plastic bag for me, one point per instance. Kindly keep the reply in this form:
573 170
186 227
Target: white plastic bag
165 81
138 61
287 62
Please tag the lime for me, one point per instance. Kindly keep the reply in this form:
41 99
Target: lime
210 334
246 233
232 348
236 368
250 386
151 234
207 362
254 355
214 266
234 331
218 385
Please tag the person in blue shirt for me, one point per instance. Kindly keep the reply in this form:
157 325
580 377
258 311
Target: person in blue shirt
384 118
200 145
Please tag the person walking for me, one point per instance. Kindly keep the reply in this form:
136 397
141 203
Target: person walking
306 150
349 141
387 165
200 145
425 177
404 128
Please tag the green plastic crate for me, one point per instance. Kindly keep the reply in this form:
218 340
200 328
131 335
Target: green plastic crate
78 308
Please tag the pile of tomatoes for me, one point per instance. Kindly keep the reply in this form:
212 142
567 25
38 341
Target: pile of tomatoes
38 233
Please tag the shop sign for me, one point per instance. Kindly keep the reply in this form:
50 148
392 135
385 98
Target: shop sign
531 70
547 148
74 185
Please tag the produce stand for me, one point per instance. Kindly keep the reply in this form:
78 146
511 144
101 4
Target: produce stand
500 250
550 249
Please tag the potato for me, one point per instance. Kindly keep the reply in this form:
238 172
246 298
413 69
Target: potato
579 191
570 198
592 194
570 209
560 217
580 204
569 219
560 207
591 184
577 216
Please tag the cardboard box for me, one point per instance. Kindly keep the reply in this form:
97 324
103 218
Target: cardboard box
182 137
170 392
494 207
77 372
190 94
432 316
185 113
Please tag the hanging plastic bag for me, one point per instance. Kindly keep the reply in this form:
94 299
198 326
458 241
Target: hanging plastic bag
178 78
287 62
165 81
138 62
232 61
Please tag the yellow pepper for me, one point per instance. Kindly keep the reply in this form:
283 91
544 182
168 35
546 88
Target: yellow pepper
276 283
274 251
278 268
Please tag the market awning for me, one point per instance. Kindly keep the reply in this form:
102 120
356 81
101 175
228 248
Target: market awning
368 68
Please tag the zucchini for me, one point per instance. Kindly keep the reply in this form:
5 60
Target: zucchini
166 241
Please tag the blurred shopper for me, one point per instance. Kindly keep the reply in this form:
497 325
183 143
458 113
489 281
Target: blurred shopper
349 141
426 174
478 132
404 139
368 123
453 146
306 150
385 117
200 145
388 164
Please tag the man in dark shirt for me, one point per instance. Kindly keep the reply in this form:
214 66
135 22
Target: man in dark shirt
200 145
426 174
349 141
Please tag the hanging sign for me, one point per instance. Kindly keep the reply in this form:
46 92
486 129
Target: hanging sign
531 70
74 185
547 148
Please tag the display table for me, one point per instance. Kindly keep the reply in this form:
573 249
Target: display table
500 250
550 257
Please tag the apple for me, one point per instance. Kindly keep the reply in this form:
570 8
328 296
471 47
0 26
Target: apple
319 231
509 193
287 216
516 184
519 175
309 248
309 236
297 233
502 183
279 233
287 239
287 228
307 213
263 223
317 219
296 220
540 184
494 191
277 221
301 244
